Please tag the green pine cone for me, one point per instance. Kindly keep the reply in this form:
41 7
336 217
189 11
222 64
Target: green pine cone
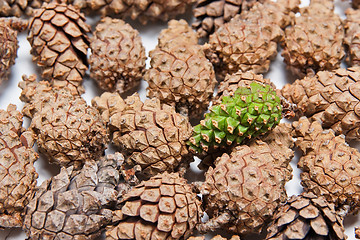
251 111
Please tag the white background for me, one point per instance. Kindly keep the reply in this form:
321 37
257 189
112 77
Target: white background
9 93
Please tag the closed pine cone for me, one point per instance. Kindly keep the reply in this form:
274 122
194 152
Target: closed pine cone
19 8
332 97
68 131
59 44
180 75
329 165
314 42
17 171
306 217
164 207
118 56
352 36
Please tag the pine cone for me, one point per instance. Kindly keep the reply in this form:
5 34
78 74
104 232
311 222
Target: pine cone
329 165
74 204
68 131
17 171
306 217
9 28
330 97
19 8
314 42
180 75
355 3
243 190
59 44
164 207
118 56
151 134
251 111
357 232
352 36
217 237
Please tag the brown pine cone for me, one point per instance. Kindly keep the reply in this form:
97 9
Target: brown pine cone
330 97
19 8
150 134
217 237
352 36
59 44
68 131
355 3
314 42
164 207
180 75
118 56
17 171
357 232
306 217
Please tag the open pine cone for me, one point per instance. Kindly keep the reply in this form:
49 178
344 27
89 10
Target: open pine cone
352 36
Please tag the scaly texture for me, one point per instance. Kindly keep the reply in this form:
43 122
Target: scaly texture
75 204
9 28
217 237
118 56
59 44
306 217
19 8
330 167
68 131
242 191
17 171
149 133
249 40
164 207
352 36
330 97
251 111
180 74
314 42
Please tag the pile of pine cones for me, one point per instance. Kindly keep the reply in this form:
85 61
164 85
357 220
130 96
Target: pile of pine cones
141 191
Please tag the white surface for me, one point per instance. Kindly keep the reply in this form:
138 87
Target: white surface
9 93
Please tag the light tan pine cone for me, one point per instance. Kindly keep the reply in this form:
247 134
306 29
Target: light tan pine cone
352 36
59 44
17 171
19 8
118 56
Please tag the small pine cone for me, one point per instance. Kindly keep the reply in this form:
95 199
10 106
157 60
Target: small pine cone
330 97
151 134
329 165
118 56
164 207
68 131
19 8
180 75
314 42
59 44
306 217
243 190
217 237
17 171
9 28
357 232
74 204
352 36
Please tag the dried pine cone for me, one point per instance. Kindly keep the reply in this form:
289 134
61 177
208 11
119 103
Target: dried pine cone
19 7
59 44
330 97
217 237
243 190
357 232
68 131
355 3
180 74
306 217
352 36
17 172
151 134
164 207
9 28
118 56
314 42
75 204
329 165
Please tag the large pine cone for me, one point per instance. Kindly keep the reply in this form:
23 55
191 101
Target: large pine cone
352 36
306 217
151 134
330 97
314 42
180 74
164 207
74 204
118 56
330 167
17 172
68 131
59 44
